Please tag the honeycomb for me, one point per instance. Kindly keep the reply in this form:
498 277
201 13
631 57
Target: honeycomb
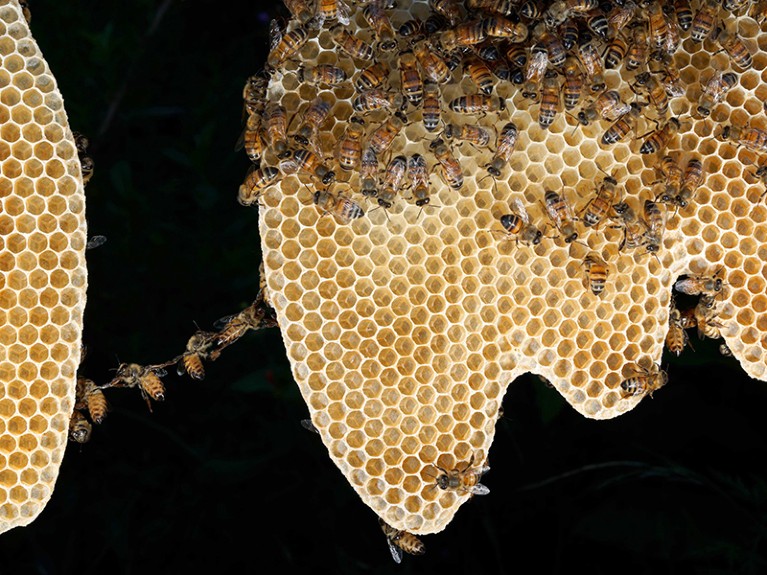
43 279
405 326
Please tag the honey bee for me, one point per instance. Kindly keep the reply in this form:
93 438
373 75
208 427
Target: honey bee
696 285
465 34
615 52
313 117
432 109
369 172
676 338
322 74
516 54
480 74
251 138
684 14
633 228
276 129
465 480
703 22
656 93
507 141
670 76
419 179
752 139
572 88
379 21
471 133
672 175
254 94
638 50
410 78
350 44
657 141
349 147
90 396
392 181
691 181
80 429
599 206
476 104
535 70
87 165
561 215
622 126
413 28
656 223
736 49
376 99
342 207
758 11
401 541
25 11
332 10
496 26
371 77
434 67
380 140
706 318
145 378
643 381
551 102
232 327
500 69
560 11
620 16
284 46
608 106
714 91
596 21
450 10
725 350
303 160
256 181
656 21
596 273
534 10
553 45
673 35
301 10
503 7
592 63
518 224
568 32
687 318
198 348
451 167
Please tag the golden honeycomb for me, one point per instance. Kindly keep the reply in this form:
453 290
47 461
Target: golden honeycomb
43 279
406 326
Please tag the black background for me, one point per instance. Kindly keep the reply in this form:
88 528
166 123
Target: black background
222 476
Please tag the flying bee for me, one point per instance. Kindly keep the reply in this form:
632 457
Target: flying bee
703 22
90 396
706 318
507 141
672 176
371 77
551 102
676 337
714 91
472 133
465 480
419 179
350 44
656 93
450 10
561 215
306 161
737 51
592 64
369 172
379 21
256 181
313 117
643 381
480 74
80 429
326 74
451 167
434 67
553 45
615 52
599 206
656 22
608 106
145 378
198 349
596 273
620 16
465 34
377 99
410 78
476 104
535 70
301 10
683 13
697 285
752 139
349 147
342 207
622 126
518 224
638 49
432 109
392 181
284 46
330 11
401 541
380 140
276 129
657 141
691 181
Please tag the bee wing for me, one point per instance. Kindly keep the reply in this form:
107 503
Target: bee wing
222 322
343 12
480 489
309 426
519 209
95 241
275 34
289 166
396 552
537 65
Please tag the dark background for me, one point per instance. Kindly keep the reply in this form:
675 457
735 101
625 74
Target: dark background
222 476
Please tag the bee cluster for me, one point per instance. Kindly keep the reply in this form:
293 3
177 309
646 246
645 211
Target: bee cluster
453 193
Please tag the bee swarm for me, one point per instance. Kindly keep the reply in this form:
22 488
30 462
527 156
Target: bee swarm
405 326
43 280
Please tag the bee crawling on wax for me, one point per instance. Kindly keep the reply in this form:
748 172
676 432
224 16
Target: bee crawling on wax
643 381
401 541
596 273
464 480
